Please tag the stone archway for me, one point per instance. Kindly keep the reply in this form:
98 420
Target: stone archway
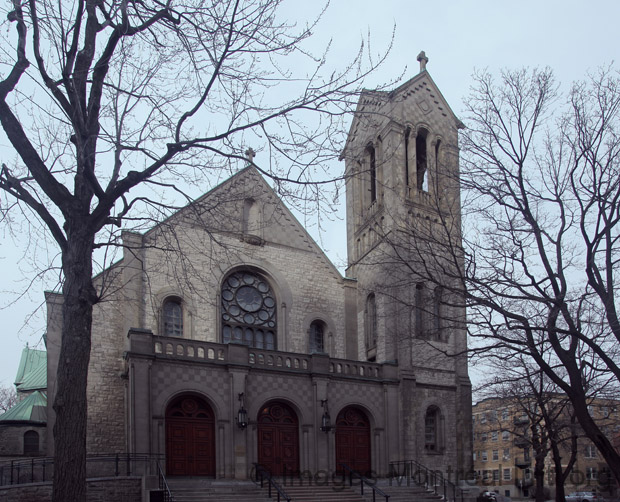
353 440
278 439
190 437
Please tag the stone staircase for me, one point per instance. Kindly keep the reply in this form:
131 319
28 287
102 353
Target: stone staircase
220 490
229 490
403 493
303 490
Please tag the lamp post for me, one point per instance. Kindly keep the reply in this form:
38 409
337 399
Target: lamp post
326 425
242 414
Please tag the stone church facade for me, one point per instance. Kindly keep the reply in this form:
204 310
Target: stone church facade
226 337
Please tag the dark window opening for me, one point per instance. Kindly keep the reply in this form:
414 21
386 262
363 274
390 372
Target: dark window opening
373 173
437 145
420 155
371 322
431 422
438 312
420 314
317 338
173 317
31 443
407 134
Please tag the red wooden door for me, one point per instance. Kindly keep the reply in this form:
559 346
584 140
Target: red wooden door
353 440
278 439
190 438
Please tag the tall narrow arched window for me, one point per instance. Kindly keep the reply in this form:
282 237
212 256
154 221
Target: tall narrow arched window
372 168
248 311
371 322
172 317
438 312
432 430
252 221
421 160
436 173
317 337
420 310
31 443
407 175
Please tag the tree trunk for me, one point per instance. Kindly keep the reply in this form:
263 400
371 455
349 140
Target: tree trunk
560 495
70 401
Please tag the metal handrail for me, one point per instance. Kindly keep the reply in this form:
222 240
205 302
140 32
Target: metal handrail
163 484
432 479
264 473
363 481
41 469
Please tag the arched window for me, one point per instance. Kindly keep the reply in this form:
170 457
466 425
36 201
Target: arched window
372 163
420 310
371 322
432 432
407 136
248 311
436 174
420 155
252 222
317 337
438 312
172 317
31 443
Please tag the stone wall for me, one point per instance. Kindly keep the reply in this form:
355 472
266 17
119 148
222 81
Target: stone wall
12 439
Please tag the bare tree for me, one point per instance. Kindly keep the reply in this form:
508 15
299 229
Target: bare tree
108 105
8 398
549 425
542 180
538 268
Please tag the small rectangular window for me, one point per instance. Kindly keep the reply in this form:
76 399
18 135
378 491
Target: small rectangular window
507 475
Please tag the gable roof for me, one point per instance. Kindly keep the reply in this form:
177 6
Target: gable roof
33 408
373 106
248 183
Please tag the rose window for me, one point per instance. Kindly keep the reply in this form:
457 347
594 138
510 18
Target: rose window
248 311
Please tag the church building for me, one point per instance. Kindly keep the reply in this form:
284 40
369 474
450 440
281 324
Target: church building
226 337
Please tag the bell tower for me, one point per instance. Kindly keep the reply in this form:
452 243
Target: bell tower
404 247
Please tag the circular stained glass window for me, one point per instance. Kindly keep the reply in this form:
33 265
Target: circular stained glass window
248 303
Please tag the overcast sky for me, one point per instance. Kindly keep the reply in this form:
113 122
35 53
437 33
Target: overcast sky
572 37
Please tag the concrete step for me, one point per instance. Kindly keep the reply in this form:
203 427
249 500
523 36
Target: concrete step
304 490
404 493
211 490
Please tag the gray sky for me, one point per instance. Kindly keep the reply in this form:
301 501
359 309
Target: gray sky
458 36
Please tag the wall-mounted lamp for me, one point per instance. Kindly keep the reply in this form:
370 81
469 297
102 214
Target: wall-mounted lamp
326 425
242 414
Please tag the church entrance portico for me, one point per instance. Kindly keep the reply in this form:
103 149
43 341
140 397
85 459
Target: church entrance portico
190 438
278 439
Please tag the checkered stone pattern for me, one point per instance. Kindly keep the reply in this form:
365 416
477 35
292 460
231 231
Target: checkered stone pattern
297 388
364 394
168 378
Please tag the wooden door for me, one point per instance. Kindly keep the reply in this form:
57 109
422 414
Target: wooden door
353 440
278 439
190 438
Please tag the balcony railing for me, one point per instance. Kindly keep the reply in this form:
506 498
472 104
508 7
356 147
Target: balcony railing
143 342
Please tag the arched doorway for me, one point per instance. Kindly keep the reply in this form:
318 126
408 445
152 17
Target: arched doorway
278 439
190 438
353 440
